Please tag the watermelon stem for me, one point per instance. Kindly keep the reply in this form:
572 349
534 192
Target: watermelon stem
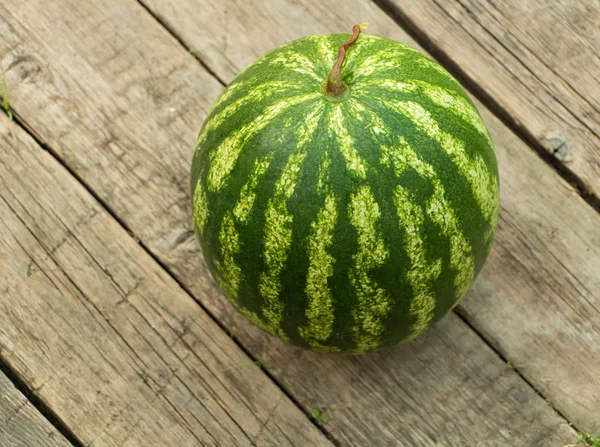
335 87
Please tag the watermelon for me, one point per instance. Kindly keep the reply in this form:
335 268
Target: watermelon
345 192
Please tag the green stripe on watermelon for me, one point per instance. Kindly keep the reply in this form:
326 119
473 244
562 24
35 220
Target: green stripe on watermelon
349 209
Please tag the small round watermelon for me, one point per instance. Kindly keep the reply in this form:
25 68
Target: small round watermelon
345 192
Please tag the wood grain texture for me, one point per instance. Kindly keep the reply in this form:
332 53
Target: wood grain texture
442 389
106 338
21 424
538 299
132 143
539 61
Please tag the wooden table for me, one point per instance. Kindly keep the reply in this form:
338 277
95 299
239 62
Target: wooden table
112 332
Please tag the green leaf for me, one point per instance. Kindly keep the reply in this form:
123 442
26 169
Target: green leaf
319 415
591 439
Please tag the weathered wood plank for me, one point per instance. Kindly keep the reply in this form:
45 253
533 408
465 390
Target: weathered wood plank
539 61
538 299
106 338
21 425
121 117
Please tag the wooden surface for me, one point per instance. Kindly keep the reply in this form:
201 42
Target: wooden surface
537 60
444 389
120 102
106 338
538 298
21 425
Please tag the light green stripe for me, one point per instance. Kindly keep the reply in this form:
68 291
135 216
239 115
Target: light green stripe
319 312
291 60
402 156
200 206
376 63
474 170
365 88
326 51
461 257
422 273
254 94
231 274
226 154
307 128
277 242
373 302
354 162
323 179
243 207
385 59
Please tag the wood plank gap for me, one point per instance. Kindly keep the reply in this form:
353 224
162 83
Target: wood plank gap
464 317
32 397
179 39
492 104
52 417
